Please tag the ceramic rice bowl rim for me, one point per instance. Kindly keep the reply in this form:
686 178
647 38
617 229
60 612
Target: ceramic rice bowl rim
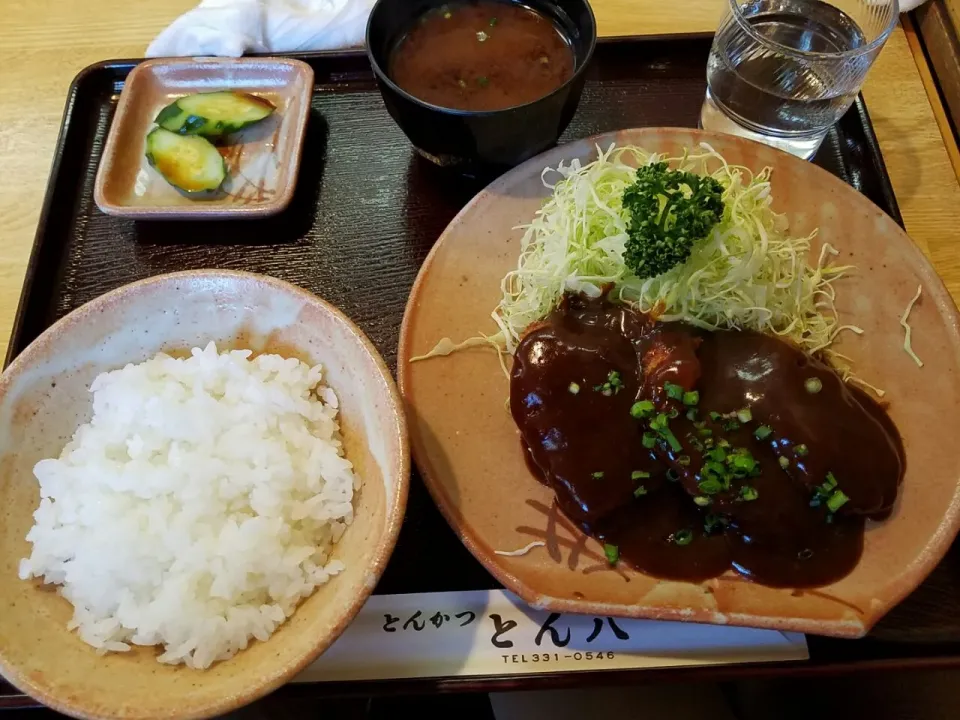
395 507
933 551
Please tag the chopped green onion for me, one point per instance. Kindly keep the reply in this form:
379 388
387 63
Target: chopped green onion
710 486
715 416
723 443
641 409
828 493
744 463
639 475
447 15
763 432
673 413
493 22
672 475
748 493
718 454
674 392
597 475
715 467
483 81
813 385
671 439
683 460
660 424
640 491
612 552
701 500
683 537
691 398
612 386
784 461
836 501
730 425
704 432
711 522
574 388
744 415
801 450
649 440
692 415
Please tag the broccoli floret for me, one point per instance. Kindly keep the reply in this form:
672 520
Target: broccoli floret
670 211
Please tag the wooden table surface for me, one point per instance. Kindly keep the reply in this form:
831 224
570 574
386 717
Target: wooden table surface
45 43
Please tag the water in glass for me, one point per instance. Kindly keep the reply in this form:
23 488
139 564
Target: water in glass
783 71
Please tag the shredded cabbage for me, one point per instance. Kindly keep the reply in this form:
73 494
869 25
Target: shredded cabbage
748 274
908 331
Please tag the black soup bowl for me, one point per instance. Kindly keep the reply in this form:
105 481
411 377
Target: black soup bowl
489 138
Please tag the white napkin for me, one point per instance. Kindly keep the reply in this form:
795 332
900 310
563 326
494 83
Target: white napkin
234 27
908 5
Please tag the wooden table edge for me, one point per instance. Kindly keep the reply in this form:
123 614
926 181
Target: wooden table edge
932 88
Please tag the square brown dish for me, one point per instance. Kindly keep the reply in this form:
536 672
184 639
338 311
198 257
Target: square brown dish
262 160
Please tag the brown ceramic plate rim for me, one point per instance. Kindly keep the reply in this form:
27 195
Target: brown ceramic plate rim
931 554
201 211
395 510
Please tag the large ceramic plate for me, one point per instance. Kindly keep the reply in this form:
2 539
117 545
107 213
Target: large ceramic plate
468 448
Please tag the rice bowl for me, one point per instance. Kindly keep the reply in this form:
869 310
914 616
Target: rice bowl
44 398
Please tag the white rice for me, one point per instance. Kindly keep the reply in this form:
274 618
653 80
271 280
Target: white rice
197 507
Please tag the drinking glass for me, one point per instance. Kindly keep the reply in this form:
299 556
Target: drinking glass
781 72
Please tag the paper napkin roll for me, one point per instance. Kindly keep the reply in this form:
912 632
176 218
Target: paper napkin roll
908 5
234 27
